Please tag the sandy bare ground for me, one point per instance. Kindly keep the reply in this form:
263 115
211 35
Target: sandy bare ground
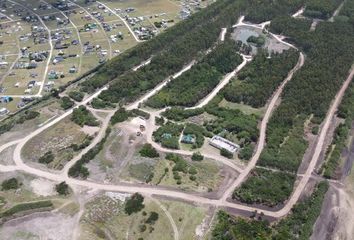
52 226
336 218
43 187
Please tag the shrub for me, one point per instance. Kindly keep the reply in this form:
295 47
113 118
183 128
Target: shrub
25 207
62 188
246 152
120 115
141 113
77 96
99 104
134 204
47 158
11 183
154 216
149 151
225 153
66 103
82 116
197 157
159 121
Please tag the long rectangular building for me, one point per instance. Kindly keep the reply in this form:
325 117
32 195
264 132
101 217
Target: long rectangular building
222 143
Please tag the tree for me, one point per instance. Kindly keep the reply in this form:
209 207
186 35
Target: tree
11 183
66 103
154 216
62 188
197 156
134 204
226 153
149 151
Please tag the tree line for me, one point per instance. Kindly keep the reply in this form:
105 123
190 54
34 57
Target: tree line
193 85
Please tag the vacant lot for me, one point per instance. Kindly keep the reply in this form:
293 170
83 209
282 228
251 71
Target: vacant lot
57 140
105 218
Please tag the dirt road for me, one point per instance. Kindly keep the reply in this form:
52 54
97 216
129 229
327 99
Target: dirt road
223 83
319 147
98 23
122 19
262 136
49 58
158 87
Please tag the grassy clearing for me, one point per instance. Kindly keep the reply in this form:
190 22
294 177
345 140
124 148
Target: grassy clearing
242 107
58 140
187 217
207 176
105 217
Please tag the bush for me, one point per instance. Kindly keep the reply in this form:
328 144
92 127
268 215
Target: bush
82 116
120 115
197 157
159 121
62 188
149 151
66 103
77 96
265 187
154 216
134 204
226 153
11 183
246 152
25 207
79 169
100 104
47 158
141 113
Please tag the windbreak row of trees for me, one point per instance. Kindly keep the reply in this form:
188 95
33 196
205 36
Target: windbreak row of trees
172 59
258 80
193 85
177 45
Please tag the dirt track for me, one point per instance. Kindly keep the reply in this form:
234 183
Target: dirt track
190 197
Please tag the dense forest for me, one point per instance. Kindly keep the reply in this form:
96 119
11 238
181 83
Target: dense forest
328 59
177 47
258 80
297 225
196 83
265 187
265 10
322 9
180 46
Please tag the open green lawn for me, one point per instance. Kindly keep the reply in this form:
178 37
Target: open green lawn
242 107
